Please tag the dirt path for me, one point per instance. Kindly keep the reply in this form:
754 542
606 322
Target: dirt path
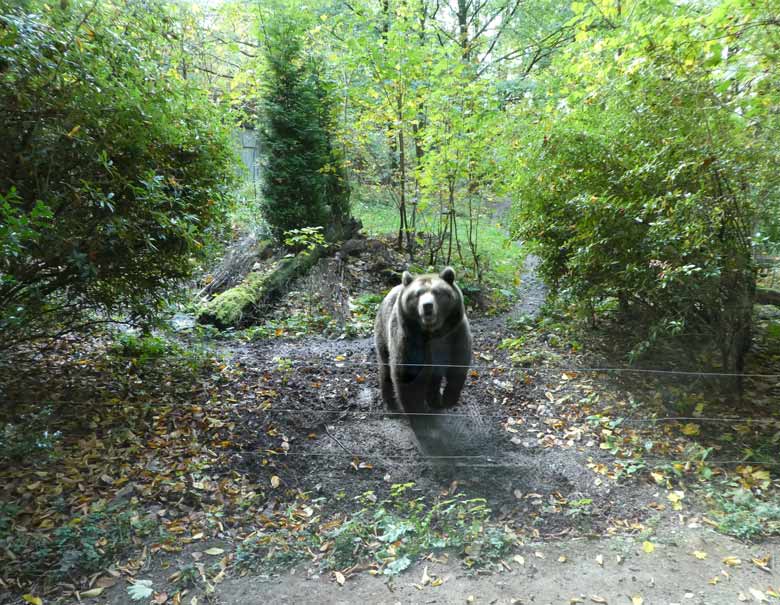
558 573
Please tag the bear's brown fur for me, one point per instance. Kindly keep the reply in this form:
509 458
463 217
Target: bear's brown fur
422 337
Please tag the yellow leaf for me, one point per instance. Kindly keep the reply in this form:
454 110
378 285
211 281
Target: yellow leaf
275 481
214 551
761 475
94 592
73 131
562 559
675 498
31 599
648 546
340 578
437 582
659 478
637 600
699 554
690 429
732 561
519 559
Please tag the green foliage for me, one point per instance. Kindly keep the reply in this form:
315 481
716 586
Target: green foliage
304 180
390 534
643 180
113 168
83 545
306 238
29 437
740 514
408 528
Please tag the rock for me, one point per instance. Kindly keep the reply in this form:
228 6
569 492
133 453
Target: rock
353 247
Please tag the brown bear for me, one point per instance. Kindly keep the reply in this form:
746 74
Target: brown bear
422 338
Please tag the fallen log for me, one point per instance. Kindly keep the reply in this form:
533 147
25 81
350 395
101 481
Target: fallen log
765 296
240 306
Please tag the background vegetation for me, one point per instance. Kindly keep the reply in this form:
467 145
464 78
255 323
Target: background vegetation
633 145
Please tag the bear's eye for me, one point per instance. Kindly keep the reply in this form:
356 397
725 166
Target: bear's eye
442 293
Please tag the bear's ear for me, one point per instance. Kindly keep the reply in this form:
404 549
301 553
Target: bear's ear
448 275
406 278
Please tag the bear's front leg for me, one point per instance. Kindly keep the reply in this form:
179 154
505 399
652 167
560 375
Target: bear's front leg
433 391
410 394
456 378
388 392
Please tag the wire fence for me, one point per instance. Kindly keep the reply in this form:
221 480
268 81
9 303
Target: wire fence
454 460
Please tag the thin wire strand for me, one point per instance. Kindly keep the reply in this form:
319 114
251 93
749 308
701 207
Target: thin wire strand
566 369
527 370
455 458
444 414
758 420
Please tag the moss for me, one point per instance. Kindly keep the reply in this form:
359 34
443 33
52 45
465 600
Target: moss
238 306
228 309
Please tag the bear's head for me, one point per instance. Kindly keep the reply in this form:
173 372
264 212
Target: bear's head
432 301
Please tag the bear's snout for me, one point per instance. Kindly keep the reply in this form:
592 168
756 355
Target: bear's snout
427 309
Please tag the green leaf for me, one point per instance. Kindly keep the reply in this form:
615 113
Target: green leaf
141 589
397 566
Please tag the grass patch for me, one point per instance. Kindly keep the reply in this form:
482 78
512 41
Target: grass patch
500 257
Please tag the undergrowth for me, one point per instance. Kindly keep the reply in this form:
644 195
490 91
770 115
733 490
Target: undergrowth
388 535
82 545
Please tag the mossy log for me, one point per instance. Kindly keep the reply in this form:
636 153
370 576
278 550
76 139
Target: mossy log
239 306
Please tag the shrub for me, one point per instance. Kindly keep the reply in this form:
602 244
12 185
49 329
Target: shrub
644 185
113 167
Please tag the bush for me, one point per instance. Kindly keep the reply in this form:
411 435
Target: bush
113 167
644 185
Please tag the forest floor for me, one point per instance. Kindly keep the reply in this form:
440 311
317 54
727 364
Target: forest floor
253 471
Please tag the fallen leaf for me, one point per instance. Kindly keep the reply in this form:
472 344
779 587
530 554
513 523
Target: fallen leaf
562 559
690 429
32 599
425 577
762 564
637 600
519 559
275 481
214 551
598 599
600 560
648 546
340 578
93 592
732 561
699 554
437 581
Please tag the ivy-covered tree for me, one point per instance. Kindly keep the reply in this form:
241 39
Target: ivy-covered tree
113 167
304 180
